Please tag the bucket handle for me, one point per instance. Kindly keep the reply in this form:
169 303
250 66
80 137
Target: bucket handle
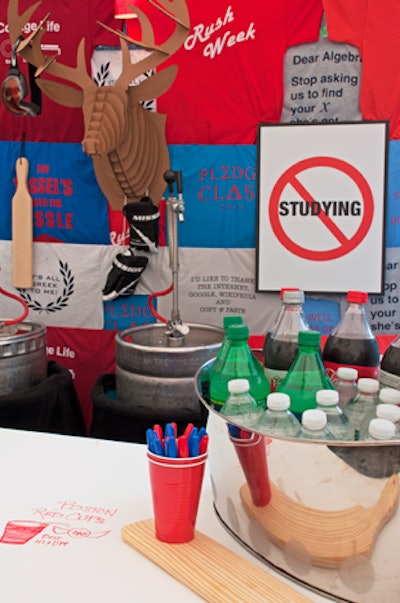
13 321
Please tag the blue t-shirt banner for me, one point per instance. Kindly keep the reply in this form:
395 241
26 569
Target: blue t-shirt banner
127 312
219 189
68 205
220 193
393 195
322 314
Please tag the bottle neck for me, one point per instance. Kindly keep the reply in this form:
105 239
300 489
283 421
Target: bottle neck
354 322
330 410
292 320
395 343
277 412
369 395
309 349
346 383
238 343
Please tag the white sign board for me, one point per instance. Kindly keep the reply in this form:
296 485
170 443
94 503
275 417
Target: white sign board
321 201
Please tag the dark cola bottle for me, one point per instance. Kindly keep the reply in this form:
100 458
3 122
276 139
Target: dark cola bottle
389 374
281 342
352 342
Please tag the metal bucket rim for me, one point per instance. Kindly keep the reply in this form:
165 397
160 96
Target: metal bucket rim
328 443
38 329
119 338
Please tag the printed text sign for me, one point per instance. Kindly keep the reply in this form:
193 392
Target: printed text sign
321 206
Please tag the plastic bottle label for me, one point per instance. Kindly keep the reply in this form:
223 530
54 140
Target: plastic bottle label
274 377
217 403
389 380
363 371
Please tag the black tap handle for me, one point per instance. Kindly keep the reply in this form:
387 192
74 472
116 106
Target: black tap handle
179 182
170 178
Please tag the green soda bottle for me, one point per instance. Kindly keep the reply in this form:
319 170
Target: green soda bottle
239 363
223 350
306 375
215 366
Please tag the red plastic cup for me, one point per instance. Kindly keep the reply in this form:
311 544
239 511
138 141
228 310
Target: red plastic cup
20 532
252 455
175 486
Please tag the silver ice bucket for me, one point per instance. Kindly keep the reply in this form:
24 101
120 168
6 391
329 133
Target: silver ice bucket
325 514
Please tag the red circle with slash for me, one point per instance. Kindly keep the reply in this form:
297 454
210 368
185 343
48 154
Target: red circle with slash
346 244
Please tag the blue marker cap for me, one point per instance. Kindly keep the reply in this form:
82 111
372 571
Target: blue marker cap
158 447
171 449
194 444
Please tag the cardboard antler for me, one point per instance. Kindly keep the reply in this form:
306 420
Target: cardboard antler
127 143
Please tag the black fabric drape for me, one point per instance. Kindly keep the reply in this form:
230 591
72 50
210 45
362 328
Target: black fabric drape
115 420
51 405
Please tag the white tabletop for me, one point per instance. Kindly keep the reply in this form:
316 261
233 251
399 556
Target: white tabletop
84 491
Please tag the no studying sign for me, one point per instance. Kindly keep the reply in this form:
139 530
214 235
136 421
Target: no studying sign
321 199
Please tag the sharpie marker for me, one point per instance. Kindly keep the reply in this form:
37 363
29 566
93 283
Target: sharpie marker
183 447
194 445
153 442
203 444
170 447
158 429
170 430
234 431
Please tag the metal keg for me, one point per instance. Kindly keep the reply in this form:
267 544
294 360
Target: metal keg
157 380
23 361
156 363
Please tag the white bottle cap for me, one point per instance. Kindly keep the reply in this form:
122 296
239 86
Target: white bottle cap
327 397
314 419
278 401
238 386
347 373
388 411
293 297
389 395
366 385
381 429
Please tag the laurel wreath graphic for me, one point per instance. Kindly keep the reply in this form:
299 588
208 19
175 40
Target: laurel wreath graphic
61 301
102 75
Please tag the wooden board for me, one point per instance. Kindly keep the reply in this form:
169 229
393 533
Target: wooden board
327 538
22 228
209 569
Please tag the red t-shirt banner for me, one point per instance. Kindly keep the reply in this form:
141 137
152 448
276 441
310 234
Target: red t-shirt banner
67 24
230 69
374 30
87 353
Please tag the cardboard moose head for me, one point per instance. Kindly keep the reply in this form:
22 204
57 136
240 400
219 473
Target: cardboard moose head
127 142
